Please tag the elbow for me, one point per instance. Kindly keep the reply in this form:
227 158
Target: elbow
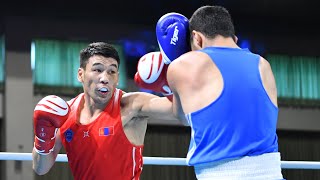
39 171
185 123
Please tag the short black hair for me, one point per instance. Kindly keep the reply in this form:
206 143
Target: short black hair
98 48
212 21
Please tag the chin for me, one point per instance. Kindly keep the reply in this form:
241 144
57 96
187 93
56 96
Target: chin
103 100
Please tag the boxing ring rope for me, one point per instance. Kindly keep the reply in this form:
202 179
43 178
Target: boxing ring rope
159 160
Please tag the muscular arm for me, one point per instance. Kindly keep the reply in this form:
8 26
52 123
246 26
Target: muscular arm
190 76
176 78
150 105
43 163
158 107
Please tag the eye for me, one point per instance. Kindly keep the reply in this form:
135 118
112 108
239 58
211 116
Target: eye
97 70
112 71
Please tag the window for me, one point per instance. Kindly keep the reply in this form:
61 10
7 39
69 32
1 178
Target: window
297 78
2 62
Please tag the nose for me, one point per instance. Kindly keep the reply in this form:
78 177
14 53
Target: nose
104 78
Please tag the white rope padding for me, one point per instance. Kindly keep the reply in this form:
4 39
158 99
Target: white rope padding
169 161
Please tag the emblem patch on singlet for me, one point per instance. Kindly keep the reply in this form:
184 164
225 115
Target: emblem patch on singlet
68 134
106 131
86 134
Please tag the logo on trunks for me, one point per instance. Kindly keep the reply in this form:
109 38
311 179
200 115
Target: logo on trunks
68 134
174 38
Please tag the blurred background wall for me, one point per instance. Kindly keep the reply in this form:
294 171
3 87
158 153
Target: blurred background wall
285 31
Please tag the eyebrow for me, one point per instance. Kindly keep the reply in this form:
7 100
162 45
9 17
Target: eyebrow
99 64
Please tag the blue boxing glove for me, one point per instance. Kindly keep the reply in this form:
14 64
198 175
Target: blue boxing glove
172 32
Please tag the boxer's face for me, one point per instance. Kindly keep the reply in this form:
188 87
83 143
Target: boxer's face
99 78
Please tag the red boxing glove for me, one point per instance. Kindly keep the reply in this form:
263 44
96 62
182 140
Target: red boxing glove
151 74
49 115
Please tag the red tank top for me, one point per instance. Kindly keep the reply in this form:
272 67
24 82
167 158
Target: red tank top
100 150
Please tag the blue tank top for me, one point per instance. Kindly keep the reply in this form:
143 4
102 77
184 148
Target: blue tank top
242 121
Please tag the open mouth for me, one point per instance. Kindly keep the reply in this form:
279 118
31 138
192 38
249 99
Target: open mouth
104 90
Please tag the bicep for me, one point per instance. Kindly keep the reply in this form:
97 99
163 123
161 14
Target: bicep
158 107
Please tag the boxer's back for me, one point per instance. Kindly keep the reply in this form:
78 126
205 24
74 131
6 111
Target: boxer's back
241 108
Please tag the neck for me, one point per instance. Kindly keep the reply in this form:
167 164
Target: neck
87 111
92 107
220 41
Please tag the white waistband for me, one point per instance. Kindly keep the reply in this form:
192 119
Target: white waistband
261 167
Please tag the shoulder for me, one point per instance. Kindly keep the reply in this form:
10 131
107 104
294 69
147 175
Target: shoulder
265 70
187 66
264 65
268 79
190 60
72 100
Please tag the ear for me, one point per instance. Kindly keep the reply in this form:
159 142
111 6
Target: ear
197 39
80 75
235 38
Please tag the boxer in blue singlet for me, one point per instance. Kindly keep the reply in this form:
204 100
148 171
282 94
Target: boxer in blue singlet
228 96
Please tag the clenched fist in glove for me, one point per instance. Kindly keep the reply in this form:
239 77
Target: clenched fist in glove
151 74
49 115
